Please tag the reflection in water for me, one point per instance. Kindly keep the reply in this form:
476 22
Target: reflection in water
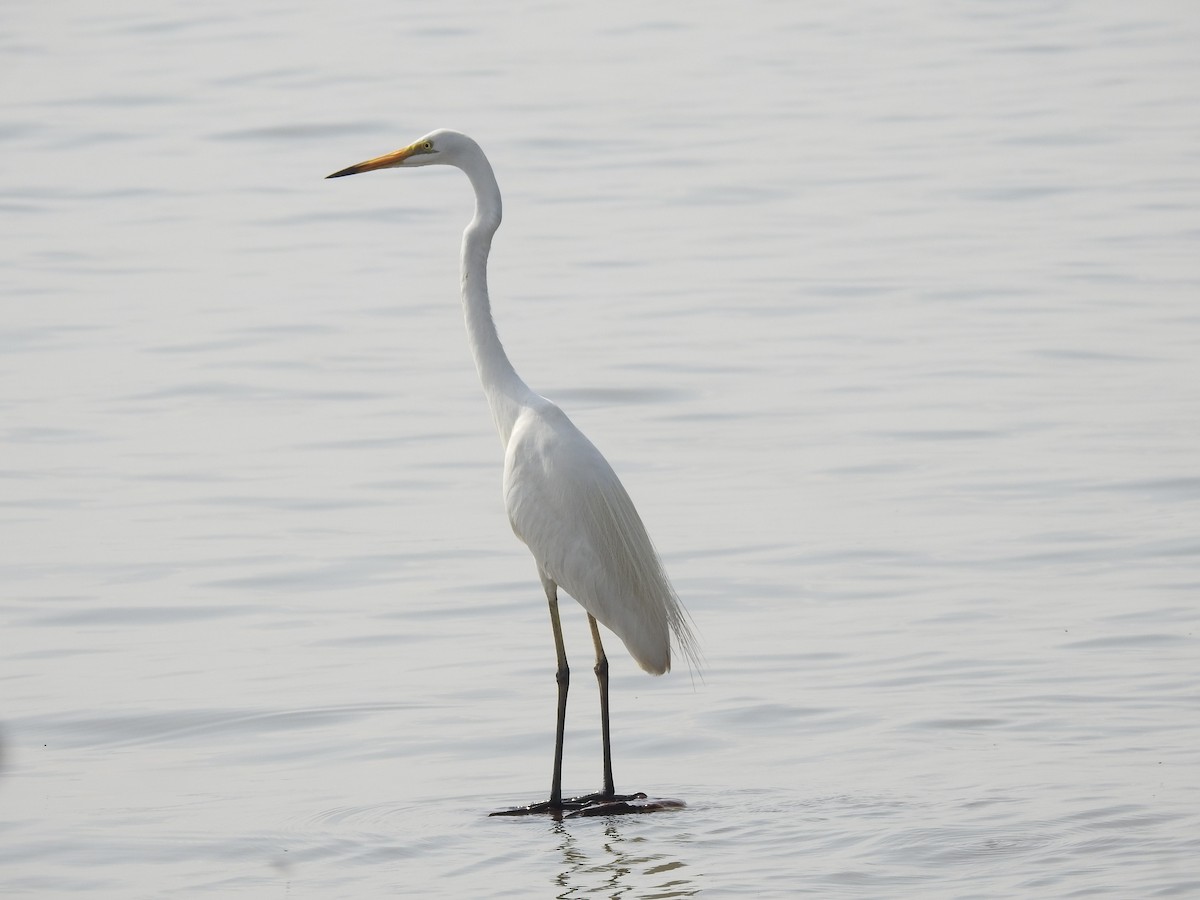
618 865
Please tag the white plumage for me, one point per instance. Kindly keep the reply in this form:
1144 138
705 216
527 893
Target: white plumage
568 506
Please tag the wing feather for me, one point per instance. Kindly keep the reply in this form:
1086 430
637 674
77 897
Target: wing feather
566 503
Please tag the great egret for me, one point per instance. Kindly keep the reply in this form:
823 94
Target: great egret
563 498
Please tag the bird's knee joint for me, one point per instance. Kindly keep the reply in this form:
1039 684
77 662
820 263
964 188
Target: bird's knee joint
563 676
601 667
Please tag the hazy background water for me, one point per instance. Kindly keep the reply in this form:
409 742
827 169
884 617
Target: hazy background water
887 315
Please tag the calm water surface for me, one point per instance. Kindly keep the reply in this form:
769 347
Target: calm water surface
887 318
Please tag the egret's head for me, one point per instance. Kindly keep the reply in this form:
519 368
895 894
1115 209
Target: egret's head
439 147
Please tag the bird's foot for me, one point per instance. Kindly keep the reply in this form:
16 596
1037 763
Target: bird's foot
569 805
597 804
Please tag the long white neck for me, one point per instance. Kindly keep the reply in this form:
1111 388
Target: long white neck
506 393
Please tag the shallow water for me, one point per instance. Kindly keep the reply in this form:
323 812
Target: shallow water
887 319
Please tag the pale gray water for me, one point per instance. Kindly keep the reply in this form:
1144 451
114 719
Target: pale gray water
889 320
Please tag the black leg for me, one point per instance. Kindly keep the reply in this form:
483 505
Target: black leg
602 679
563 677
608 801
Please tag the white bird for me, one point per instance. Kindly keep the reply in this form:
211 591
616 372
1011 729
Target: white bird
563 498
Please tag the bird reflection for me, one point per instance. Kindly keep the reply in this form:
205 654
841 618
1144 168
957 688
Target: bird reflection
617 866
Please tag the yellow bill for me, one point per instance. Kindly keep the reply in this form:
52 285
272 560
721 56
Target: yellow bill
387 161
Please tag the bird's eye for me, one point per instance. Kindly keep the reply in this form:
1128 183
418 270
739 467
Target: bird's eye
427 146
